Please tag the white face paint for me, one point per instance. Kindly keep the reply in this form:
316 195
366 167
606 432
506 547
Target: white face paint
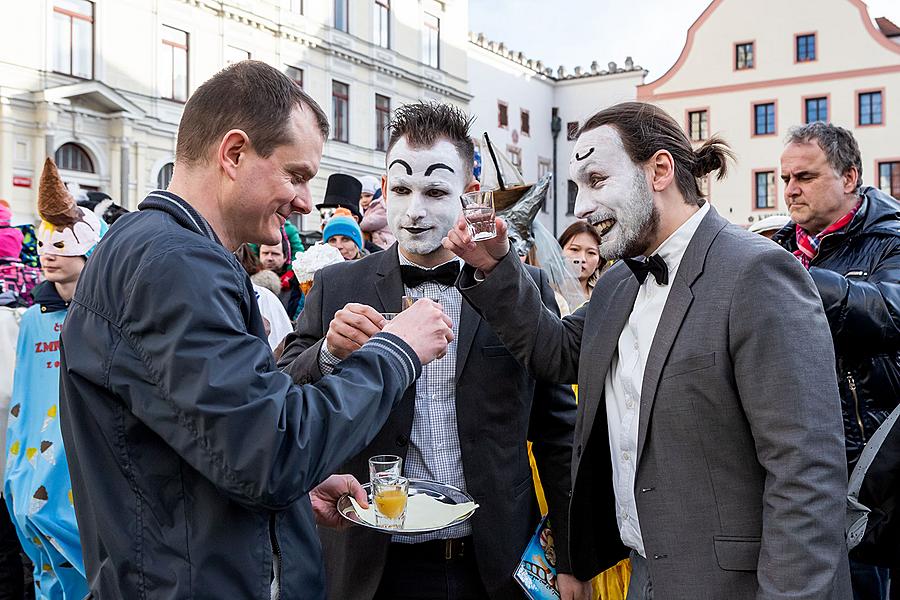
423 189
613 194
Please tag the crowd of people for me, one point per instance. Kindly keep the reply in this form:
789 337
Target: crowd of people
194 387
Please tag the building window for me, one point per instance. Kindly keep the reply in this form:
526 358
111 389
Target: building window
235 55
502 114
165 176
296 74
544 167
342 15
515 156
806 47
764 118
889 178
382 118
525 122
72 157
173 64
572 196
340 110
73 32
431 41
382 35
870 108
764 193
743 56
571 130
295 6
698 125
816 109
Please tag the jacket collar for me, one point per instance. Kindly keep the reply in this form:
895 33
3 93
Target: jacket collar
46 296
180 210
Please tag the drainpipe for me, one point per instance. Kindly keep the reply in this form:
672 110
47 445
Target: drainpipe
555 128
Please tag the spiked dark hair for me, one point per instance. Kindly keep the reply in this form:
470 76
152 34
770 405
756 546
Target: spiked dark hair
424 123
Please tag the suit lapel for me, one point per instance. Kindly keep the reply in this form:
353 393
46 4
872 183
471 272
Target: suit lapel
469 320
677 305
388 285
614 312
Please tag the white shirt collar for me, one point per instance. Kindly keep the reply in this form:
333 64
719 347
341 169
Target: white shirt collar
672 250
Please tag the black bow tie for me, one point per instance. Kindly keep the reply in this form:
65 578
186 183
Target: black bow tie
445 274
654 264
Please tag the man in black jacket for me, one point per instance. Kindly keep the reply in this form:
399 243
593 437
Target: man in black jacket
849 238
467 420
191 455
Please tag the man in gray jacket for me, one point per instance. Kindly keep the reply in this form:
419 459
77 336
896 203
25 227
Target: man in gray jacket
191 455
708 437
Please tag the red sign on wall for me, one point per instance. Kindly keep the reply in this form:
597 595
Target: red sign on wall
22 181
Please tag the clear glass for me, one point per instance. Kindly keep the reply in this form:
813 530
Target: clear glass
478 209
388 464
390 494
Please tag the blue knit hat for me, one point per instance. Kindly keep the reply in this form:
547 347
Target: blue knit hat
343 225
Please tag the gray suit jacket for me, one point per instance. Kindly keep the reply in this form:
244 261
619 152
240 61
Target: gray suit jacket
499 407
741 481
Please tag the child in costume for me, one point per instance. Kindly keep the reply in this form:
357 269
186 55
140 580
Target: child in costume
37 488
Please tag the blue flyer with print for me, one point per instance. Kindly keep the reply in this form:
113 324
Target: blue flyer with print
536 572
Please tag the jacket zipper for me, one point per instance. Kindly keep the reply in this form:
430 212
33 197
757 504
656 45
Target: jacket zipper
276 561
851 383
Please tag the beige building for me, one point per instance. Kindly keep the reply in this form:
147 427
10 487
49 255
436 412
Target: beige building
101 84
750 78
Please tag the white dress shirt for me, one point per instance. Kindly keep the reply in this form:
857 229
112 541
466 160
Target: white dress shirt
622 388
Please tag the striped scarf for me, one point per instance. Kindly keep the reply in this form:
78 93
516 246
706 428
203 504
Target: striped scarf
808 246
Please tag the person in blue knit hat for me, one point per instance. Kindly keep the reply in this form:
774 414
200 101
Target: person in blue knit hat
343 232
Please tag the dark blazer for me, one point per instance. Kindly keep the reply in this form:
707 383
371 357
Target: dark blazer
499 407
741 483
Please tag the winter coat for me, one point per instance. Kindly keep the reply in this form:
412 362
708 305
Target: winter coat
375 223
857 273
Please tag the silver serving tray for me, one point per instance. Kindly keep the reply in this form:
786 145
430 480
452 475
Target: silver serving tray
439 491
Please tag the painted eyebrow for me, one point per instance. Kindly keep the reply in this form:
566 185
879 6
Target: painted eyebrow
436 166
401 162
589 152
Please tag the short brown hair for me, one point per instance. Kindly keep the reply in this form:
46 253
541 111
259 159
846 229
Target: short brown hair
249 95
645 129
424 123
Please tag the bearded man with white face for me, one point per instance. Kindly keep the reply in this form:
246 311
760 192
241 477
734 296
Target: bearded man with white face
708 444
467 420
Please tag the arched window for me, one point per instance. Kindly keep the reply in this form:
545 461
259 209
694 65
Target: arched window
165 176
72 157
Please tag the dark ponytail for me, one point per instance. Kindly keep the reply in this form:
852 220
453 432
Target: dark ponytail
713 155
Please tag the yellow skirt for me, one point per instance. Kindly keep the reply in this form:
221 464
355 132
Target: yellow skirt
608 585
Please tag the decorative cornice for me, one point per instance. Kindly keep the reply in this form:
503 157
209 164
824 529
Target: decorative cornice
538 67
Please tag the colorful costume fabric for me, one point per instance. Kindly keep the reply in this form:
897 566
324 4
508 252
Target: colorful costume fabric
36 486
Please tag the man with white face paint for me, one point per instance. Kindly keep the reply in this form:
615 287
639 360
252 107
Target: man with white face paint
467 419
709 437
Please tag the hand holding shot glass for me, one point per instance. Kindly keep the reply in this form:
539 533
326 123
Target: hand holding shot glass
478 210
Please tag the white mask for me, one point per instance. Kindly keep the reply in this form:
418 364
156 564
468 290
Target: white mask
423 189
613 194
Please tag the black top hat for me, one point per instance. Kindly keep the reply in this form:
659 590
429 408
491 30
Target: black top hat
342 191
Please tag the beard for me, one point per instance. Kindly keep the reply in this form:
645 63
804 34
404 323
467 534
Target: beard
637 224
